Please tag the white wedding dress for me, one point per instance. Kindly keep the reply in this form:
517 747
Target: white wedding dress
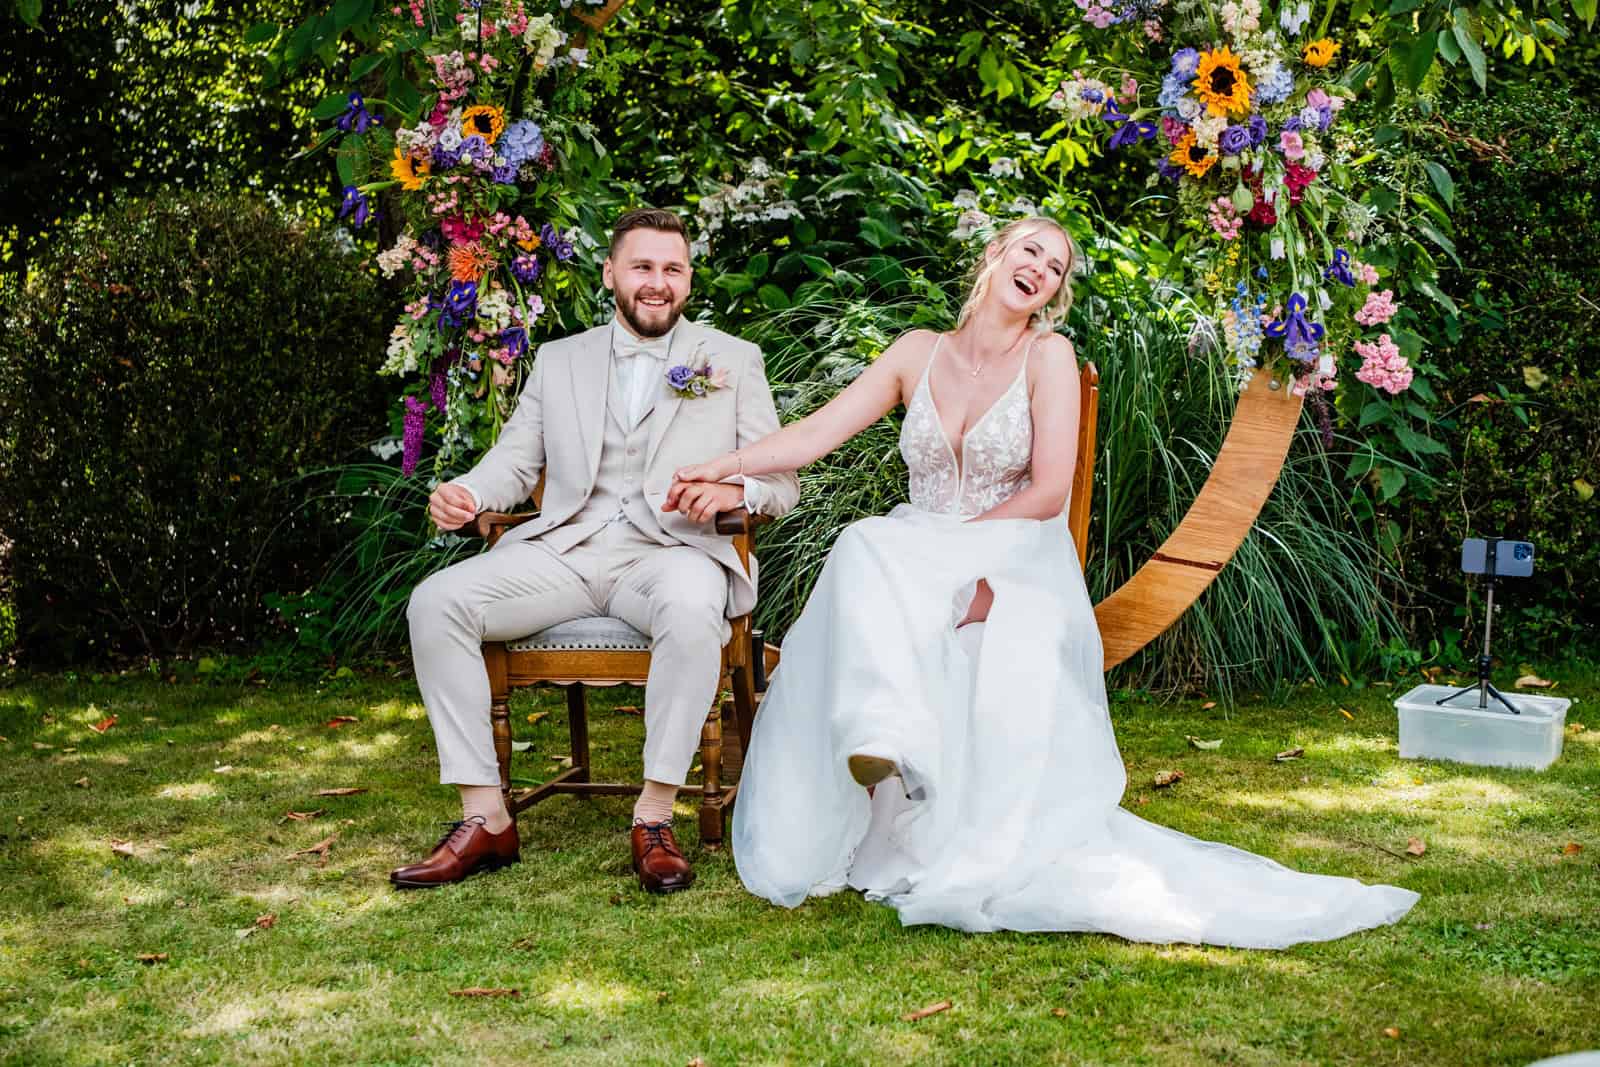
1000 730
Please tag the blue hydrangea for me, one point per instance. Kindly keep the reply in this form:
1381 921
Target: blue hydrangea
1275 86
1174 87
522 141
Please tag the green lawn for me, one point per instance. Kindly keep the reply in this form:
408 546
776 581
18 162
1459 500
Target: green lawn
1499 963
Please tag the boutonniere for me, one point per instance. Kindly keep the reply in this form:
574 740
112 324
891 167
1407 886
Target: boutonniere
696 378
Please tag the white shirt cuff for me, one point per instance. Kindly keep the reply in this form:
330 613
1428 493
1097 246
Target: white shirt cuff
755 495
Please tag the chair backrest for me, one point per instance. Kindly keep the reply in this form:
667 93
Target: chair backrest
1083 471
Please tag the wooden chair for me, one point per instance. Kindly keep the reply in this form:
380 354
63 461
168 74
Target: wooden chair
607 652
1083 469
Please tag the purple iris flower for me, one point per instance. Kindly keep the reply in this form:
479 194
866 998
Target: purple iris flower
515 338
1233 140
356 206
678 377
1093 95
460 303
1339 270
356 117
1258 130
1299 336
1169 170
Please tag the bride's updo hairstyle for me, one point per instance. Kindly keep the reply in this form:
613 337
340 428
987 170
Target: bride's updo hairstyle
1046 318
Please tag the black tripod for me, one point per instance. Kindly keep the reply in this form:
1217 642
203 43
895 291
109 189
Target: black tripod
1485 661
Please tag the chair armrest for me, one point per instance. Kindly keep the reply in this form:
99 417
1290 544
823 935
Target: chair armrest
740 521
490 525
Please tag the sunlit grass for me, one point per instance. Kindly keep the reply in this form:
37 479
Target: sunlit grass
1497 964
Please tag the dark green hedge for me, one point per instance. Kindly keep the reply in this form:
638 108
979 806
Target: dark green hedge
169 370
1527 441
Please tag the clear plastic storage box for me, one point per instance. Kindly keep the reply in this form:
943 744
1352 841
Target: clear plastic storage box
1488 737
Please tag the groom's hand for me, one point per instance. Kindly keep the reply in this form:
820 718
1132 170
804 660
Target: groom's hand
451 506
702 501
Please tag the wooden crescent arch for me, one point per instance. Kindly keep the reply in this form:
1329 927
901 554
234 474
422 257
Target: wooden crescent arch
1245 471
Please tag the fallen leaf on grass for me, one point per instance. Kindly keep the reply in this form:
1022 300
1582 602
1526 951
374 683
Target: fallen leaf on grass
629 709
1288 754
1391 1031
533 719
480 991
521 746
342 791
1347 715
1142 799
696 1062
923 1013
267 921
41 746
1571 848
301 816
1166 778
226 768
1533 681
82 783
1209 746
1208 705
1415 846
104 724
1059 1013
122 848
320 849
147 958
341 720
1576 728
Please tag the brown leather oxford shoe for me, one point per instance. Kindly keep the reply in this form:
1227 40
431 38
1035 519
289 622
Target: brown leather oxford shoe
469 847
657 859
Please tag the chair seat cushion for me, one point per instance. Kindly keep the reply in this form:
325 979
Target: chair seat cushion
598 634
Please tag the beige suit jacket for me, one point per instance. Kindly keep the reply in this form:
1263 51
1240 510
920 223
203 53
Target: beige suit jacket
559 424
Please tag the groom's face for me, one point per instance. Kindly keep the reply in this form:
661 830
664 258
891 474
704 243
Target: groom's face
650 274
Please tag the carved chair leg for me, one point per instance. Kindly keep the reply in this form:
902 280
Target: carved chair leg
494 661
711 826
744 705
578 725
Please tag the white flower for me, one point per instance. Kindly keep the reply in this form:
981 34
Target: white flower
450 136
402 352
387 448
1004 167
1188 109
395 259
1293 17
1208 129
1023 206
970 222
495 306
1277 248
965 199
342 240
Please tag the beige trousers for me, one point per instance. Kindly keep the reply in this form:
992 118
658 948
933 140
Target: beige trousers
674 594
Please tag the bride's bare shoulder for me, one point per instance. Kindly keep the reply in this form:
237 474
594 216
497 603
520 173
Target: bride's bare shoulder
912 346
1054 366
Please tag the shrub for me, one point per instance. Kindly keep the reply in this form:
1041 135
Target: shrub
166 374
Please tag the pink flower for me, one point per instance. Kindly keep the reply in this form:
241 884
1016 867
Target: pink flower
1172 129
1319 98
1367 273
1383 367
1130 89
1378 309
1152 29
1224 219
1291 144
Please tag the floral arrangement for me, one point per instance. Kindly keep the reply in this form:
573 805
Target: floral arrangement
1239 108
690 381
475 176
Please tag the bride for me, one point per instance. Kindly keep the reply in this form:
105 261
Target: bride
937 734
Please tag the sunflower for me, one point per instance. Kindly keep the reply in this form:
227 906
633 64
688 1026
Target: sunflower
1221 85
1195 158
469 263
407 171
485 121
1320 53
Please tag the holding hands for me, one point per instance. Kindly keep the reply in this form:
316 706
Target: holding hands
700 493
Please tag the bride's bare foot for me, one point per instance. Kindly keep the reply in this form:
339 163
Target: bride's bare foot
870 770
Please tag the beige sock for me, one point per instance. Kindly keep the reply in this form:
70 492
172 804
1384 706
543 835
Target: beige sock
655 802
485 801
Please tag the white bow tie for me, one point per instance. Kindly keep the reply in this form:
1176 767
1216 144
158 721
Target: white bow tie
626 346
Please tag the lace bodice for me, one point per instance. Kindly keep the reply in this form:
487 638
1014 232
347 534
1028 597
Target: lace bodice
996 452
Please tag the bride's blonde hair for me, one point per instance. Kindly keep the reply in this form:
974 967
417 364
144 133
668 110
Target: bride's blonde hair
1047 317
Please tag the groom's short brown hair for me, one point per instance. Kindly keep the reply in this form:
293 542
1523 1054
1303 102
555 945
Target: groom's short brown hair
646 218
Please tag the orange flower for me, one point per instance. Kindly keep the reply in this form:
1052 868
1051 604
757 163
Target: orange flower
1194 158
1320 53
485 121
531 244
409 172
469 263
1222 87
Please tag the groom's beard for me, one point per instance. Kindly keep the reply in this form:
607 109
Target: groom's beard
648 321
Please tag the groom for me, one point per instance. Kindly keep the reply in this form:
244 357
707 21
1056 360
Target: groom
607 417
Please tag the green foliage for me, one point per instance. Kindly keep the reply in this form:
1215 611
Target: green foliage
137 96
164 374
1520 369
